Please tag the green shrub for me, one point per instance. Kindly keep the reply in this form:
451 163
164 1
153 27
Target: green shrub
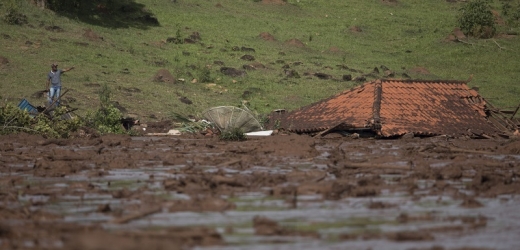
234 134
14 17
13 119
177 39
107 119
58 124
62 125
205 76
477 20
511 13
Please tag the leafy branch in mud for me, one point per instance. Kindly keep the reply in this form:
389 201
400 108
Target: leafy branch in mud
190 126
234 134
58 124
14 120
107 118
202 126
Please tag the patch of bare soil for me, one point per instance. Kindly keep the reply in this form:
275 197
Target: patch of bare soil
163 75
92 36
456 36
355 29
178 192
3 61
419 70
294 42
267 36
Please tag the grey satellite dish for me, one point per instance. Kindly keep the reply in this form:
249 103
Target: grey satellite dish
226 118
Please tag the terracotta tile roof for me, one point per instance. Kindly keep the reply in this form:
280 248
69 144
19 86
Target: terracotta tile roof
396 107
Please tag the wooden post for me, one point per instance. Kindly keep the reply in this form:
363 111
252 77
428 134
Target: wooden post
516 110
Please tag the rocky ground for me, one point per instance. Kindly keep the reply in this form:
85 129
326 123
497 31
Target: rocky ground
284 191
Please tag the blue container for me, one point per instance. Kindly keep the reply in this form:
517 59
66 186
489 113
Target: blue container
25 105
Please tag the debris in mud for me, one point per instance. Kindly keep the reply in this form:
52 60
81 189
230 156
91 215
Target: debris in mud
48 110
409 236
191 191
471 203
268 227
170 238
129 122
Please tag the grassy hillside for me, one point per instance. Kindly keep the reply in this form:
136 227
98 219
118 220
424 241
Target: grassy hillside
338 38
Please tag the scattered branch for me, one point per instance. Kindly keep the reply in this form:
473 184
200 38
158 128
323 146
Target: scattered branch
500 47
132 217
458 40
354 165
19 128
496 43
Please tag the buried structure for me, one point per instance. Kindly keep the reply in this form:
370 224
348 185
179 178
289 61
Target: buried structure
393 108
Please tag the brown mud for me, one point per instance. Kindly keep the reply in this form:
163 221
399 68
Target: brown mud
276 192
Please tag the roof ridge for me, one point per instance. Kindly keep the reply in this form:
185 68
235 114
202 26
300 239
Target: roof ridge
376 108
423 81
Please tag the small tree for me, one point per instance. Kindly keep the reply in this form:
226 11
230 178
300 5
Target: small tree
477 20
107 119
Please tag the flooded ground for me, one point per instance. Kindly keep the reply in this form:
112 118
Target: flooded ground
277 192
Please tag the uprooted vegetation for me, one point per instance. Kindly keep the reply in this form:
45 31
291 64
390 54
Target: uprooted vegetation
58 124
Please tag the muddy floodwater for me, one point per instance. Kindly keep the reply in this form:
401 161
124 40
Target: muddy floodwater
277 192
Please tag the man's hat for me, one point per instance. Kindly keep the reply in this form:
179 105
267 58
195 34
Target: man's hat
54 65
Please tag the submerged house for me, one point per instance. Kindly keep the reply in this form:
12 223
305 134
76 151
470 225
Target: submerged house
392 108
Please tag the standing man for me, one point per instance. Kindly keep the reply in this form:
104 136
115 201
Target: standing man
54 83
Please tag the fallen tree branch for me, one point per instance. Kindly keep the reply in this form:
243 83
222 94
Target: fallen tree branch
229 163
20 157
458 40
19 128
320 178
500 47
442 149
354 165
132 217
68 158
514 113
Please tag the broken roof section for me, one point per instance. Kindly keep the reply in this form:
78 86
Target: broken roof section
396 107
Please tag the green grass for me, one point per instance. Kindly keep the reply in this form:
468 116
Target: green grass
402 36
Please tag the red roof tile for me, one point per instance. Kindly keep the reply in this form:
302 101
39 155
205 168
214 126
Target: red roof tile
397 107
